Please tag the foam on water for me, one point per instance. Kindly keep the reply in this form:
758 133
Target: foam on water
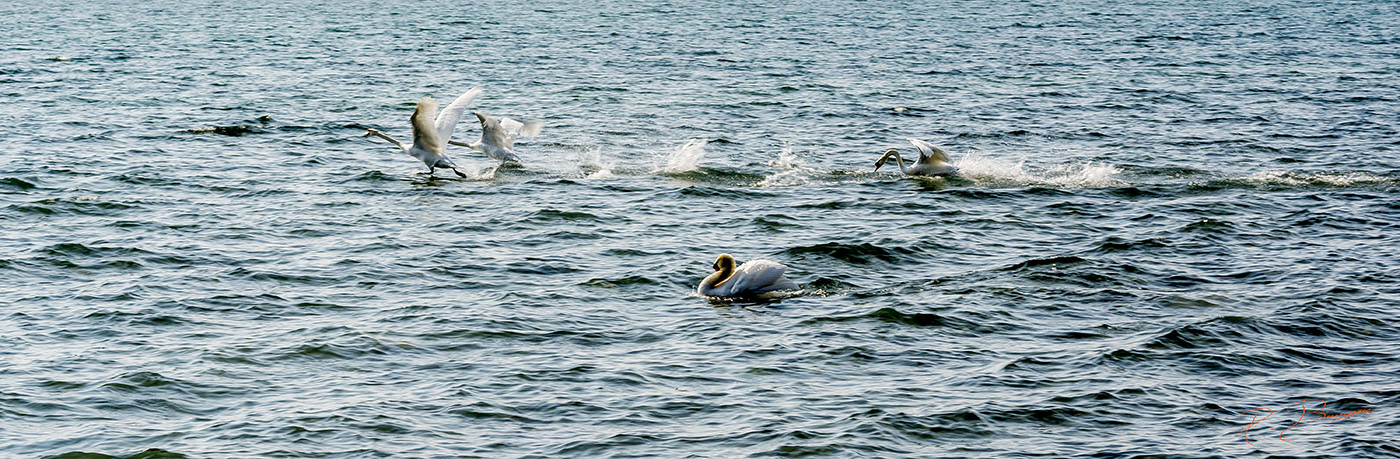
997 171
790 171
1083 175
590 163
1296 179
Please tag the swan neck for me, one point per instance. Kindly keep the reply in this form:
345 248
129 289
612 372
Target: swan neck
722 276
390 139
899 159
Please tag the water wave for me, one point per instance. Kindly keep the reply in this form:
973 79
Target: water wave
862 253
16 183
1146 241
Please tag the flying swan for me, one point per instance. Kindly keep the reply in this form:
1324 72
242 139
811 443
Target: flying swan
432 131
932 161
753 278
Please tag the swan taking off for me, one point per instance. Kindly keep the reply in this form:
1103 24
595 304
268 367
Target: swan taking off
432 131
754 278
932 161
498 136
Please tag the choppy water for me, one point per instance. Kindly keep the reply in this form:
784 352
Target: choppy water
1172 216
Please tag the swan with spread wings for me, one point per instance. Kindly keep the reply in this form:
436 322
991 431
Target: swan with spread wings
432 131
931 162
498 136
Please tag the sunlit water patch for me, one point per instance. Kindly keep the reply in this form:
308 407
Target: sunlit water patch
1171 219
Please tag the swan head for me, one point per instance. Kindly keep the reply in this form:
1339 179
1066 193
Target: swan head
886 157
724 263
485 119
371 132
724 270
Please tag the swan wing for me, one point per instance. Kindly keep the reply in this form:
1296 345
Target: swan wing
447 120
492 134
927 152
506 130
758 276
528 128
425 135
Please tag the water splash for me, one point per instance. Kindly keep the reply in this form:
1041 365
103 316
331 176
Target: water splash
790 170
1083 175
590 162
1294 179
786 158
974 166
686 158
486 173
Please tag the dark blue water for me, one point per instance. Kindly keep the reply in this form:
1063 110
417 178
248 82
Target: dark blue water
1175 233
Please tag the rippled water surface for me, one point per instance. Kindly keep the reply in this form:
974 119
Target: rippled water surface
1174 218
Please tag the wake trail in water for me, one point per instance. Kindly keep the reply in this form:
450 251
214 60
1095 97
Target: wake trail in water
1326 179
975 167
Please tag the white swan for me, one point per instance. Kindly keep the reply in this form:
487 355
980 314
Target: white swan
432 131
754 278
932 161
498 136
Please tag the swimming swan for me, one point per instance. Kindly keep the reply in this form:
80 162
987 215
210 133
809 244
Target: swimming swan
432 131
498 136
932 161
750 279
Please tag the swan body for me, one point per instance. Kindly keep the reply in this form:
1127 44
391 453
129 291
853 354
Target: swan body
754 278
432 131
498 136
932 161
